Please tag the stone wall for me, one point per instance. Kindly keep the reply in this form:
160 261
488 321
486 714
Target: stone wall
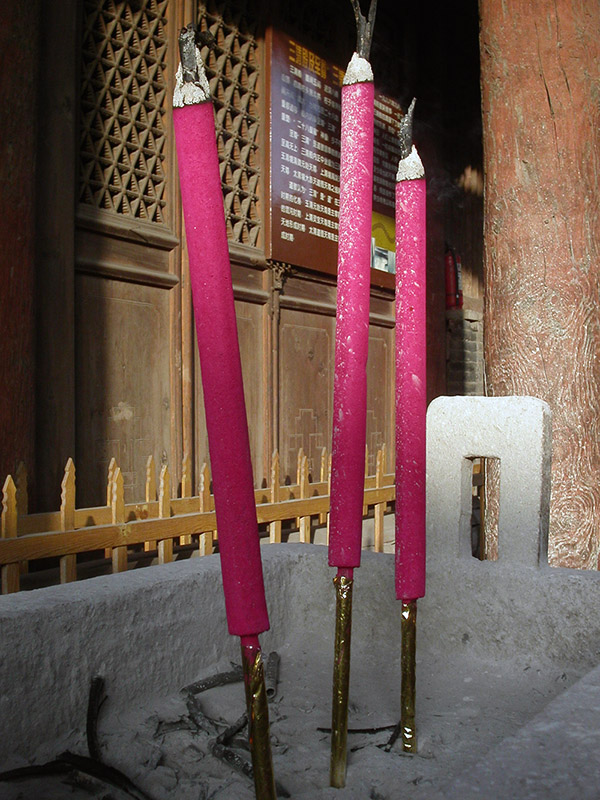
464 352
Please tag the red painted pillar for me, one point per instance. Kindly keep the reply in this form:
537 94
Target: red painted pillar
540 77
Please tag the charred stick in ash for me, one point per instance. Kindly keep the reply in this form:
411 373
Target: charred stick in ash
272 674
70 762
198 717
234 675
227 735
36 770
362 730
95 700
233 759
239 764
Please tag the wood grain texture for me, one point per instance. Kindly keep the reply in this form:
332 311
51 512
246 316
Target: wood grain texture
541 115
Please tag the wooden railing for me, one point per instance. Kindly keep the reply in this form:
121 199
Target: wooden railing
161 522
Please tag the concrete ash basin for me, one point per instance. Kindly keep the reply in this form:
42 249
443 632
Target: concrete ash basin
508 701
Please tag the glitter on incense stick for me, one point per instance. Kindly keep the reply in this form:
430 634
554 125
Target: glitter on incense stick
216 329
411 406
350 379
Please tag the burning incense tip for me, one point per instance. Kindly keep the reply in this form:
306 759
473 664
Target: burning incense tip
410 168
191 83
405 133
358 71
364 28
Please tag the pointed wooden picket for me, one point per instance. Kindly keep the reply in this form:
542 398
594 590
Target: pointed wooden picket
68 564
305 522
275 527
323 476
112 468
186 490
299 475
8 530
379 510
150 493
165 546
206 541
119 554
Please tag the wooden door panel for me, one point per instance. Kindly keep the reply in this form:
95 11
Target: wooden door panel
306 344
123 390
380 408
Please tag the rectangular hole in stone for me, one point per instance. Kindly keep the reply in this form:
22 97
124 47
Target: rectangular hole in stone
485 508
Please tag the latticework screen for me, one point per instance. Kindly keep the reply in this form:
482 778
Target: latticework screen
233 72
123 96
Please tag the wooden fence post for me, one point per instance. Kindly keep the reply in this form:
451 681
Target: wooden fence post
8 530
165 546
68 564
112 468
299 475
186 490
324 477
379 510
119 554
150 493
275 527
205 545
305 522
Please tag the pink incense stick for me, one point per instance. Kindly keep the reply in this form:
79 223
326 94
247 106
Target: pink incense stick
352 318
226 423
411 406
411 402
350 378
216 329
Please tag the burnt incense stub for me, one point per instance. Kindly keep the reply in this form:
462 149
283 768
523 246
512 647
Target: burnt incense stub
364 28
191 83
406 131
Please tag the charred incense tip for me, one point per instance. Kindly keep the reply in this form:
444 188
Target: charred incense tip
191 84
406 129
187 53
410 166
364 28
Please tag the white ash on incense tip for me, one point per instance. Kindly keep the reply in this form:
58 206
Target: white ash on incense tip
410 168
188 93
358 71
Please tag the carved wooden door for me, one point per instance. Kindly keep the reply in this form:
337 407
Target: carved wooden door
127 306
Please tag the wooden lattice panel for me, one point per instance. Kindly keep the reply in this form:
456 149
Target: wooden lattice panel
123 98
233 72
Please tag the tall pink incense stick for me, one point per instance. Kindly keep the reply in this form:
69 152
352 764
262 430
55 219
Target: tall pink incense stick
411 406
216 329
350 378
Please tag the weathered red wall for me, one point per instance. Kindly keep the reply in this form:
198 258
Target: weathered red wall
18 80
541 117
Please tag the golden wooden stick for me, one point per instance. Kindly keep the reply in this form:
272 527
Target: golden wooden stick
258 720
341 680
406 726
408 656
